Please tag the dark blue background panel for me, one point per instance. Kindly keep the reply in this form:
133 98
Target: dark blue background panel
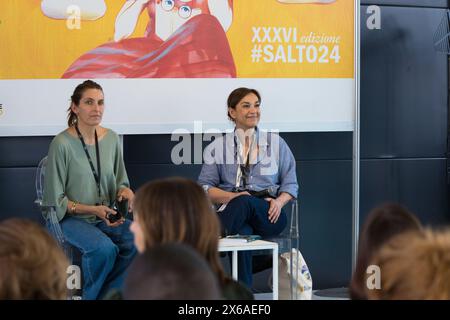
404 86
156 149
325 219
418 184
23 151
139 174
17 194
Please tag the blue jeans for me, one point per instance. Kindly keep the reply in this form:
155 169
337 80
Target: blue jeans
249 215
106 253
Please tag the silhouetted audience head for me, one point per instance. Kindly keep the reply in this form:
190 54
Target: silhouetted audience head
414 266
171 272
32 266
382 224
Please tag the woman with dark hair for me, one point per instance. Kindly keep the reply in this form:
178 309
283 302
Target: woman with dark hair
383 223
176 210
250 175
84 177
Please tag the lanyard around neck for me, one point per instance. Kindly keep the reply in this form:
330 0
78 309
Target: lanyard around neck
243 169
97 152
244 158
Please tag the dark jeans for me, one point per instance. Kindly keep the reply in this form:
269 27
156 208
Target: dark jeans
249 215
106 253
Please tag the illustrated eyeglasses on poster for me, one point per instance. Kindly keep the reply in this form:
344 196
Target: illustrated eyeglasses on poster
167 64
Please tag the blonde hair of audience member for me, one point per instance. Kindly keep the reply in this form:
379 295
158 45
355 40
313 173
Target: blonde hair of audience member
31 263
382 223
414 266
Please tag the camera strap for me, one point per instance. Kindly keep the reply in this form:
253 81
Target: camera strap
97 175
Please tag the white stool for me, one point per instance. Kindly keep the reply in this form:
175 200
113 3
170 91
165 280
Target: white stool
235 245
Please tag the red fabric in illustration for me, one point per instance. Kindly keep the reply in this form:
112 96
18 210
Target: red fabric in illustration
198 49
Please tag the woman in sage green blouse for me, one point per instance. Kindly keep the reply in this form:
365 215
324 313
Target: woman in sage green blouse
85 175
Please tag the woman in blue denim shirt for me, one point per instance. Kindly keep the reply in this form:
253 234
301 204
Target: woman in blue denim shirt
243 166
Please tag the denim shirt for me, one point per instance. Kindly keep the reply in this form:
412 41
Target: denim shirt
274 167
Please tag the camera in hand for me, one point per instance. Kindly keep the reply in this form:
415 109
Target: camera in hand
261 194
265 193
121 208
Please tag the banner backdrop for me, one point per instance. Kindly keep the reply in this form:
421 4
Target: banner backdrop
167 64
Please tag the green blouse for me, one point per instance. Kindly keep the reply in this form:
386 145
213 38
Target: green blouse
68 175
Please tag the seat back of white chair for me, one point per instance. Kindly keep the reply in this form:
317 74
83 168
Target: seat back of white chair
39 181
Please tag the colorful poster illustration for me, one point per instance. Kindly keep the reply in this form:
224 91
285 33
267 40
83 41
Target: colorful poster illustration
293 43
50 39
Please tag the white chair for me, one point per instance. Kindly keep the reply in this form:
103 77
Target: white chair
51 220
48 212
289 240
